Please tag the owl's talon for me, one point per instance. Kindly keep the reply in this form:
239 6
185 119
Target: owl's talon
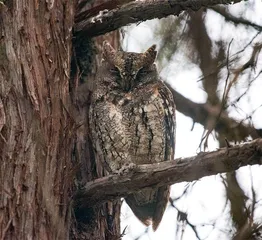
126 168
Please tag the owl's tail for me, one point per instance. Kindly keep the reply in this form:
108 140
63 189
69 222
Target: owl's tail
152 212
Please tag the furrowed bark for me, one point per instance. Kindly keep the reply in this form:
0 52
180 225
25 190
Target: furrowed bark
35 127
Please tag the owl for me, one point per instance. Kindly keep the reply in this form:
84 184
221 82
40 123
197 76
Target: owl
132 119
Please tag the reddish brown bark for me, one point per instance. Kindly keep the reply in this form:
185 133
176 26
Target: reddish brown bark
35 130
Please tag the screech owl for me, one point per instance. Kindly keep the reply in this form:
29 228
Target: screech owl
132 119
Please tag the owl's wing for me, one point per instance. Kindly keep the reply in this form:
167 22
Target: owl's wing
109 135
170 128
169 120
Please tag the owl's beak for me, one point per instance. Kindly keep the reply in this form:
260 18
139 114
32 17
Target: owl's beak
127 82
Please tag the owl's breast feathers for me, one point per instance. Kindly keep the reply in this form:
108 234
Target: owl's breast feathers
149 115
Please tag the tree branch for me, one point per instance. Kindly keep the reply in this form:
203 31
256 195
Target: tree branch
199 112
137 11
236 20
187 169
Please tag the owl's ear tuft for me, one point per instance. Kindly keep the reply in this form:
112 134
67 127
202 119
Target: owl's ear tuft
150 55
108 52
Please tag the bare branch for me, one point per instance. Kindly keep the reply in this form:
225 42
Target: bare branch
199 112
251 63
187 169
236 20
90 12
207 62
236 195
138 11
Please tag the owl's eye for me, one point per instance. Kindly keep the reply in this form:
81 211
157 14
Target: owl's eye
114 70
141 72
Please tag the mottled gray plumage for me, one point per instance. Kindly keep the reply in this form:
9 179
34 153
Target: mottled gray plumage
133 122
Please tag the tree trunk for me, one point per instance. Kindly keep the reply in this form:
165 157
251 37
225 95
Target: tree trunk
35 126
43 144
